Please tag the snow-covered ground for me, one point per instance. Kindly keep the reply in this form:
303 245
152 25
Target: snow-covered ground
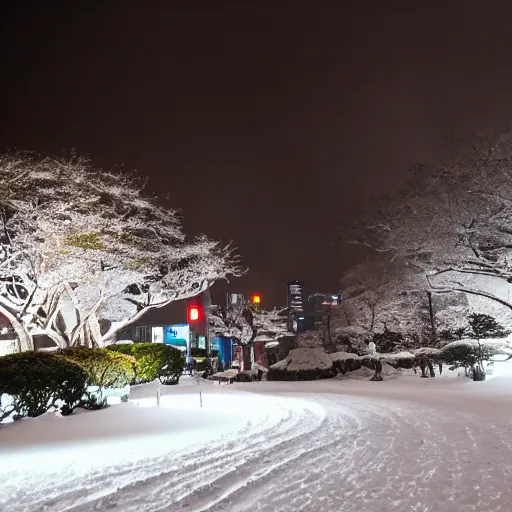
405 444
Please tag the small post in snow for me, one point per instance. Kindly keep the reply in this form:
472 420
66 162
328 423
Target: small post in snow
158 387
200 399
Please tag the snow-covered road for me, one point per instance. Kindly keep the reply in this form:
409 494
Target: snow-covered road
378 447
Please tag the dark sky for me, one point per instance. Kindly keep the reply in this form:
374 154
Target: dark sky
265 125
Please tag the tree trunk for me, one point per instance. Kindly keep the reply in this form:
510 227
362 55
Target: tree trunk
431 315
372 322
478 373
246 358
57 338
328 330
377 376
423 367
251 355
25 341
95 337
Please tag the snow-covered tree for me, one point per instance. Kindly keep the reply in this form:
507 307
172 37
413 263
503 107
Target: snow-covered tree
84 252
380 294
451 223
271 325
247 324
366 289
485 326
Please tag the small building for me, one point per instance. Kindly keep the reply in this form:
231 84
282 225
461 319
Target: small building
171 325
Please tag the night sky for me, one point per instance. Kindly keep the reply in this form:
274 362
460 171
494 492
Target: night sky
265 125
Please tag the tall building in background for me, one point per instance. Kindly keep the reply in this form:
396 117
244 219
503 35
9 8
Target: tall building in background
296 302
296 296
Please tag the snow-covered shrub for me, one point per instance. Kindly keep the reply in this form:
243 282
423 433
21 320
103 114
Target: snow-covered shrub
94 402
404 360
309 339
154 361
352 339
388 341
38 382
344 362
303 364
447 335
104 368
305 359
468 355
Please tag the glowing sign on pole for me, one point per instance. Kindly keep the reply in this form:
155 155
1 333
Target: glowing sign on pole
193 314
256 299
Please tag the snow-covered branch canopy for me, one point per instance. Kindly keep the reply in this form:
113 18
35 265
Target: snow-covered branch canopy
247 324
95 235
451 223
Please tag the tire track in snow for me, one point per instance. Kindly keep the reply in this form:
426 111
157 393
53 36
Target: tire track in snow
302 419
184 468
405 457
323 454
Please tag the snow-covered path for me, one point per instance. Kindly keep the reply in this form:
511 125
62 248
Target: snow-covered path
378 447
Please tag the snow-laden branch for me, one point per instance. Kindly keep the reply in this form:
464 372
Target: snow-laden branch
463 289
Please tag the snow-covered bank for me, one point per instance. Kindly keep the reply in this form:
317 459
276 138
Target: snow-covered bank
406 444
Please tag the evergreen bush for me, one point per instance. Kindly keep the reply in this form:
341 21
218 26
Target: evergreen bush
485 326
104 368
154 361
464 355
38 382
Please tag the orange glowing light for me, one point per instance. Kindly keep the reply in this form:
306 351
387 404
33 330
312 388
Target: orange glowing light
256 299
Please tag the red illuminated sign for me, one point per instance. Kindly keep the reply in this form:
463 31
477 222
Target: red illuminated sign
193 314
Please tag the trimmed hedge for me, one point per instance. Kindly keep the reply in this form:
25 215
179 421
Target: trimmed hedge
313 374
153 361
346 365
104 368
37 382
406 363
